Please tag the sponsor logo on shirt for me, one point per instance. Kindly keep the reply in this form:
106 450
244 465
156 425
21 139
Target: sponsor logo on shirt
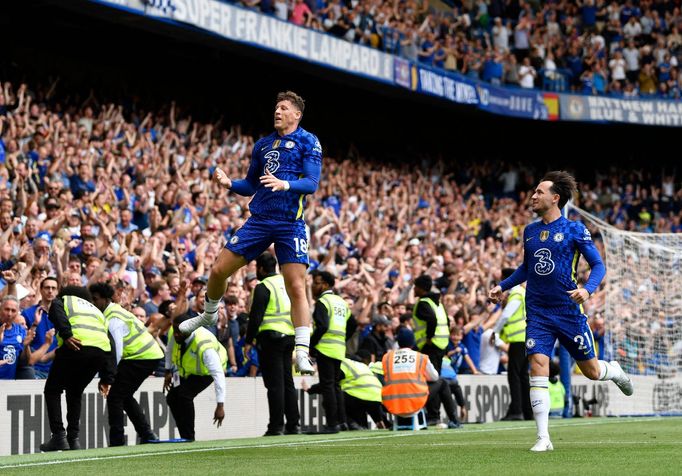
273 162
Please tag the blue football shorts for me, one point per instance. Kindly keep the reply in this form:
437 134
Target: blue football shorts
257 234
572 331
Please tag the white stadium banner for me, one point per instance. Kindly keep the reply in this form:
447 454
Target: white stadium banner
247 26
24 425
651 112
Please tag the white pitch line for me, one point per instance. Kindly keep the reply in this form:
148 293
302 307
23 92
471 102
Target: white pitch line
511 443
309 442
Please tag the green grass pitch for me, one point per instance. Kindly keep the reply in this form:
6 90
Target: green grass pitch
621 446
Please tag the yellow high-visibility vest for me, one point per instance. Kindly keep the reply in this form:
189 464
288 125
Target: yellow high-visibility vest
277 315
139 344
333 342
88 324
359 381
192 361
514 329
442 334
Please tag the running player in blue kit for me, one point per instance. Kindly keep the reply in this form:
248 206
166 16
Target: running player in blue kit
285 167
552 248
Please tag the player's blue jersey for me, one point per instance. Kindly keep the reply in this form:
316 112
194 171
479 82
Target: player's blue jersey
551 255
287 158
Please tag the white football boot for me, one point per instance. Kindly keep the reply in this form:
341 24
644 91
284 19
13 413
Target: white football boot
303 364
623 381
542 444
194 323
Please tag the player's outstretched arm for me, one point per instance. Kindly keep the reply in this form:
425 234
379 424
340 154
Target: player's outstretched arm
245 187
495 294
519 276
221 178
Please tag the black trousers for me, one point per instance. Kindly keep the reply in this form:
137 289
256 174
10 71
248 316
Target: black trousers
329 372
439 393
180 400
71 372
456 390
129 377
274 353
435 355
517 377
357 411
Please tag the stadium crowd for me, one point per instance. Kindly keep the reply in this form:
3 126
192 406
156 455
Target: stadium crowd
617 48
90 192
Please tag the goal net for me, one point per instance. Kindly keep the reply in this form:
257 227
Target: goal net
641 304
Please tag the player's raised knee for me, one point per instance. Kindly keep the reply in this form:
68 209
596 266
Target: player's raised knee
590 369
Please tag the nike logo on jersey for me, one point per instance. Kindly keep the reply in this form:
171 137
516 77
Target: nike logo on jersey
263 148
528 239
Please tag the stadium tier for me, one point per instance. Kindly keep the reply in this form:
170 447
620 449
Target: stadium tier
509 58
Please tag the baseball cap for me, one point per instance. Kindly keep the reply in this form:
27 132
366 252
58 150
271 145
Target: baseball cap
380 319
405 338
200 280
414 242
251 277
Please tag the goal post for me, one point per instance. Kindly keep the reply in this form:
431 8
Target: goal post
641 303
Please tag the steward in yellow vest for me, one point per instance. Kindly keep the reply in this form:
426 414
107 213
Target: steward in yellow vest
328 341
138 355
83 350
270 327
431 326
192 362
362 393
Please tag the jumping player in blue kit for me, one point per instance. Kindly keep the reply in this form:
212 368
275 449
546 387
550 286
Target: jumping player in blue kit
552 248
285 167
